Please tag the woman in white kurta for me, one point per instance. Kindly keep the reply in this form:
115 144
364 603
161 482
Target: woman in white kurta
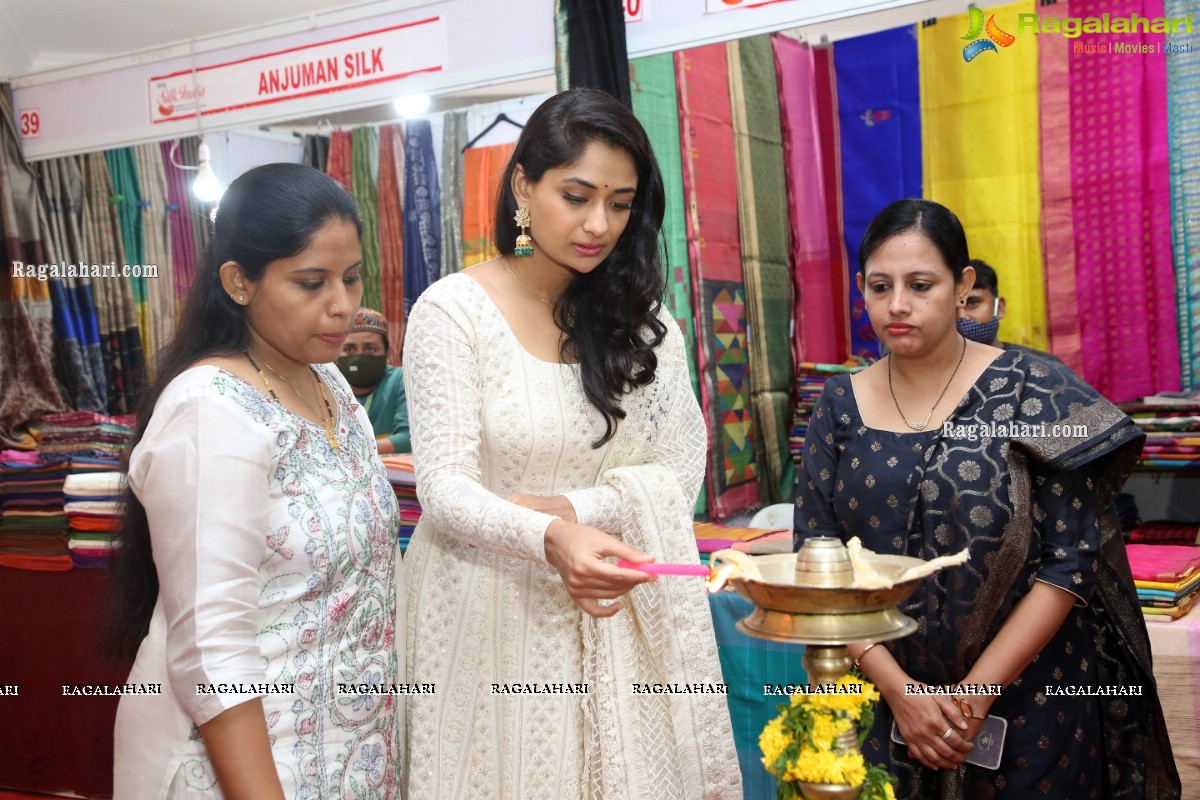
278 613
534 697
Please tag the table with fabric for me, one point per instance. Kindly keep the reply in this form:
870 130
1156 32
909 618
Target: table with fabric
51 625
1176 650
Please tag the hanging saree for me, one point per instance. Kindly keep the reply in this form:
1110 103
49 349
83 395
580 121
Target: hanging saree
316 151
1031 505
340 165
829 130
365 149
26 316
391 236
127 202
595 53
116 313
156 234
1183 106
723 357
766 267
879 115
1057 212
77 338
454 141
483 170
817 290
988 173
422 215
183 247
655 100
1121 185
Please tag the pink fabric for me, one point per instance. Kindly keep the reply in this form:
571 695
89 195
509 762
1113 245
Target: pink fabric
1125 278
816 296
1167 563
1058 228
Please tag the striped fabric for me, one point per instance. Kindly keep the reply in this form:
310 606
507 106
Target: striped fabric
391 235
1183 104
766 268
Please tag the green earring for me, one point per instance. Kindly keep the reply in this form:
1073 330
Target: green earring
524 243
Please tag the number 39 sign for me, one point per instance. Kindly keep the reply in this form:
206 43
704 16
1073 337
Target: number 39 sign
633 10
29 125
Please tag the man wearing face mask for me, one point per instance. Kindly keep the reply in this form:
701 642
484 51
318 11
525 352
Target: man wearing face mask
979 316
377 385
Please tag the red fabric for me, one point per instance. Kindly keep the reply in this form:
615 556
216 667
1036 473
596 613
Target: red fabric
391 236
50 626
829 138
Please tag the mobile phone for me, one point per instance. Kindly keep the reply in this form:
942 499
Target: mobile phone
989 742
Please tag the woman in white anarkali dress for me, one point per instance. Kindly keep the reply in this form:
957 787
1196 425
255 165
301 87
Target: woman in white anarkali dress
515 371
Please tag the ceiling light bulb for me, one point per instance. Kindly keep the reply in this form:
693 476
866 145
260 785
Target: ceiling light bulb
412 105
207 187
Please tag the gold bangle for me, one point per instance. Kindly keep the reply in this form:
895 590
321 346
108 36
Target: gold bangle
867 649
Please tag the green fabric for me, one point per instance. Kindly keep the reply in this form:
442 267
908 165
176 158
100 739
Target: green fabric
365 150
655 102
127 195
387 408
762 211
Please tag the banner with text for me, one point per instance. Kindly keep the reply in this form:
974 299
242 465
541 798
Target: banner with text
363 59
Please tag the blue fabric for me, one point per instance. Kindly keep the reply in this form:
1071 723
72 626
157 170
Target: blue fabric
879 116
77 333
422 213
748 664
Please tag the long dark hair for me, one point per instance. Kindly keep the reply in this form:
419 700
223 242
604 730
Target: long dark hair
609 315
932 220
269 213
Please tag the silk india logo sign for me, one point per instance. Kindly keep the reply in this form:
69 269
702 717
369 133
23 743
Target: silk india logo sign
978 45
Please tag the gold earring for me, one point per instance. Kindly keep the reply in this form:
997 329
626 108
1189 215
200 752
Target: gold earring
524 243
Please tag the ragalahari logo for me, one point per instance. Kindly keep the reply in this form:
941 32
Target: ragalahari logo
994 37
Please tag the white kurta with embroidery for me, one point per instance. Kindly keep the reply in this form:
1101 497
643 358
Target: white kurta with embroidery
278 567
487 612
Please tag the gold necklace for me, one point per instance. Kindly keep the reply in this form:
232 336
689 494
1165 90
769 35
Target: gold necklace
526 288
917 426
327 419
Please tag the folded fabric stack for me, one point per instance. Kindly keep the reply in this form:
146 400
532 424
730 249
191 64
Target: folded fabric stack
1172 432
810 382
403 477
711 537
93 511
33 525
1167 578
1165 532
84 439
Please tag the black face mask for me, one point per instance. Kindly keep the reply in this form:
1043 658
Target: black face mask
363 372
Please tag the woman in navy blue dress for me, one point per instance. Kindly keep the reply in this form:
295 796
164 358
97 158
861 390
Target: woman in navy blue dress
948 444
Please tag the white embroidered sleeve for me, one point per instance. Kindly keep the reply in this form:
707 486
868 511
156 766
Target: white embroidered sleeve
201 473
443 385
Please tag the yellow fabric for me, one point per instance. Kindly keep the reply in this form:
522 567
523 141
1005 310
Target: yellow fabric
979 139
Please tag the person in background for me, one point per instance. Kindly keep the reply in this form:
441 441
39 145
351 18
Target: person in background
377 384
980 314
